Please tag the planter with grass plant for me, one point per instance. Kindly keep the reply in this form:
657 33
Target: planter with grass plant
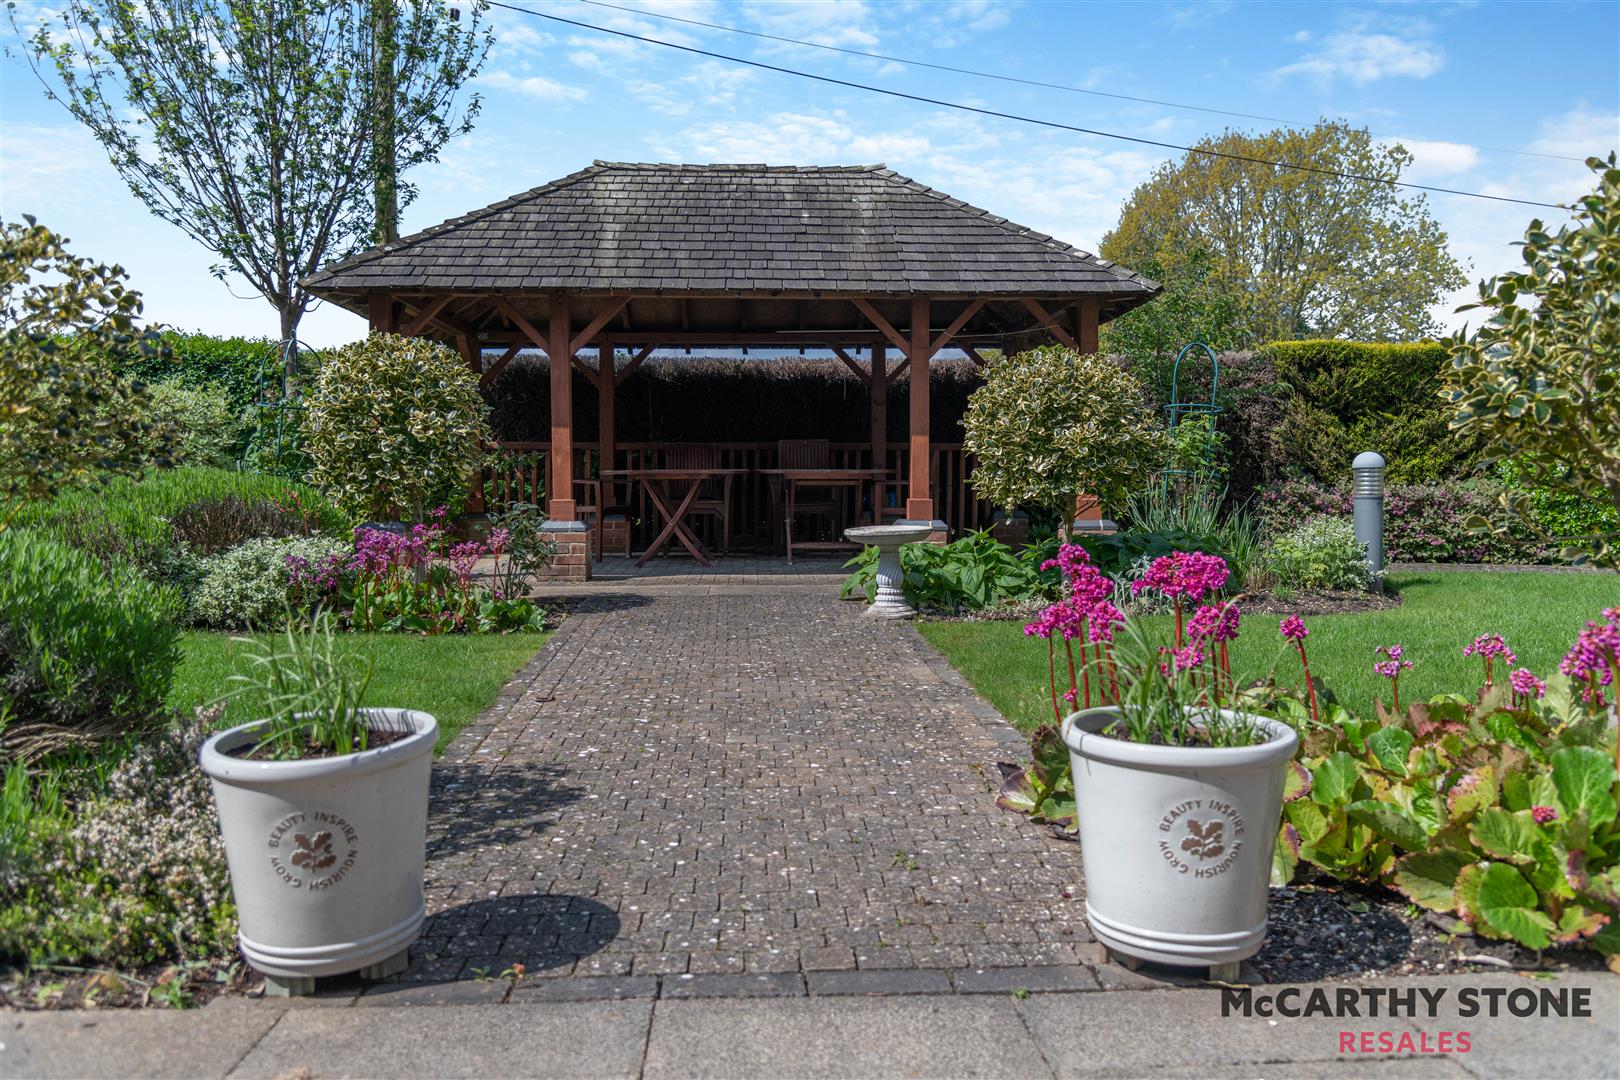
323 809
1177 789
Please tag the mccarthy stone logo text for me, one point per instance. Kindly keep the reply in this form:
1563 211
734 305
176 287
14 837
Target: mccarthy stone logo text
1398 1001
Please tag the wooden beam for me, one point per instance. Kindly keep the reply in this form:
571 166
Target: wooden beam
592 328
860 372
919 497
513 316
380 312
561 493
426 315
1049 324
972 354
882 324
899 369
879 383
1086 321
961 321
635 362
498 366
606 428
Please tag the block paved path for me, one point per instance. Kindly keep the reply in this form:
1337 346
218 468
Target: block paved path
736 779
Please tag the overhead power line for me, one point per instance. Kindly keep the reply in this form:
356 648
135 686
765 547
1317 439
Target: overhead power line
1205 151
1015 79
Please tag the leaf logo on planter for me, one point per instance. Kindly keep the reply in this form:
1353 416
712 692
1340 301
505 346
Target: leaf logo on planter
314 852
1204 839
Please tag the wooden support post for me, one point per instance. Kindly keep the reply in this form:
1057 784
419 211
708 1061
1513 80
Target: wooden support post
605 438
561 493
919 501
1085 325
880 426
380 309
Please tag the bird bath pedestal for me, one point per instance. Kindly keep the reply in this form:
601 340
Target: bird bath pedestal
890 602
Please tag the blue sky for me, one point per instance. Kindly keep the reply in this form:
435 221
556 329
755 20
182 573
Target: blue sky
1449 80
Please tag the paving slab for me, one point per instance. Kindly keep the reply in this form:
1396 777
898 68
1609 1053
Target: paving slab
736 779
1147 1032
132 1042
1523 1046
842 1037
578 1039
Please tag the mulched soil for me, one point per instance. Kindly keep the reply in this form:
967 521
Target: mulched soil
49 989
1324 930
376 739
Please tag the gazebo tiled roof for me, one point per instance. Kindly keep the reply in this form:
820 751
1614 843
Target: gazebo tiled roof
744 229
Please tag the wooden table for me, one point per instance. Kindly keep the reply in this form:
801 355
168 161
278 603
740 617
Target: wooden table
793 479
652 482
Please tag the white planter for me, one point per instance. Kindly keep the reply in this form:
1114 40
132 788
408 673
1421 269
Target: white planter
326 854
1177 841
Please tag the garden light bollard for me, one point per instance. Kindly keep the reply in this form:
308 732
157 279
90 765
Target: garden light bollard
890 601
1367 475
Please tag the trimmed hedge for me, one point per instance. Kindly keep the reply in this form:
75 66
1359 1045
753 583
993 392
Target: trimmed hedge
1343 397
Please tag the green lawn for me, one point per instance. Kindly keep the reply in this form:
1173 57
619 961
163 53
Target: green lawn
1538 614
453 676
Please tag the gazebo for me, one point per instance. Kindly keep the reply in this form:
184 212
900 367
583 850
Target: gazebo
640 257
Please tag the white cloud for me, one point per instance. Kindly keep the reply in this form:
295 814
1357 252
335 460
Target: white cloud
1196 15
1363 57
535 86
711 83
849 24
47 167
1431 158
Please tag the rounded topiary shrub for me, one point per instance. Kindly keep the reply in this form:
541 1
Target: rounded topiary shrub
86 653
1049 425
393 427
251 585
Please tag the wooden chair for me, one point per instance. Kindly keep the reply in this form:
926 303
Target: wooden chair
807 454
714 497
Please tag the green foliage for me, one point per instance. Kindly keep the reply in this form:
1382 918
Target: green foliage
134 876
1332 253
394 426
68 327
1422 522
1343 397
1498 810
1321 553
206 432
974 573
1563 515
1049 425
1539 381
231 365
1191 308
148 522
250 585
85 656
311 691
252 127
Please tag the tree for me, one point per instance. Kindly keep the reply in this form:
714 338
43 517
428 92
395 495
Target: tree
394 425
1303 254
1540 380
68 327
251 125
1048 426
1191 308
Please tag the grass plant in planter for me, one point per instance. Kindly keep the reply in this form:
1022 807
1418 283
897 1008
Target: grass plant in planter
1178 790
323 809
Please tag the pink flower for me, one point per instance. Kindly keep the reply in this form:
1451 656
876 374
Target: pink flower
1189 574
1543 814
1526 684
1391 667
1293 628
1100 622
499 541
1214 622
1490 646
1596 651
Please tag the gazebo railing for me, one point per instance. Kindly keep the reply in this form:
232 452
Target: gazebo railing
521 477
